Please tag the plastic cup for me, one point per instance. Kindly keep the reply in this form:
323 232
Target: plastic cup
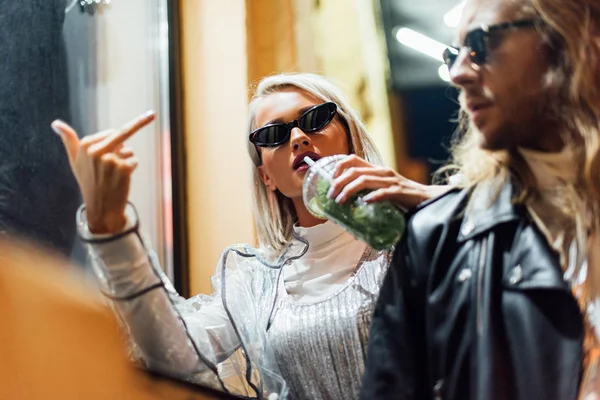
379 224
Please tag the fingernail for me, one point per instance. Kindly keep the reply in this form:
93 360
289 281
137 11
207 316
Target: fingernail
330 193
339 198
149 113
55 127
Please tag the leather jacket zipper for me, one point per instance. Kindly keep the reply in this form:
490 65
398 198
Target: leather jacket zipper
480 277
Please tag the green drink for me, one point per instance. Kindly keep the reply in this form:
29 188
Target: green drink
379 224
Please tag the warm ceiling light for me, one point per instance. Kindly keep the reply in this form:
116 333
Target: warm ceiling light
421 43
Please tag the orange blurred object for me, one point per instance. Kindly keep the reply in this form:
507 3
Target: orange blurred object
58 339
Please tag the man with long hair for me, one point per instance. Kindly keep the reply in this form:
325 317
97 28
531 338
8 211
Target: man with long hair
493 292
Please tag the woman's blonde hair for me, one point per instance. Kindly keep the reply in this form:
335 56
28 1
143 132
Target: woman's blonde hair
274 213
571 35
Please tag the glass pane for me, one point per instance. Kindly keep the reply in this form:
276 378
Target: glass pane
95 67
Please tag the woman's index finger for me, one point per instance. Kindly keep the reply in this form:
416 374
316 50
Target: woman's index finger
129 129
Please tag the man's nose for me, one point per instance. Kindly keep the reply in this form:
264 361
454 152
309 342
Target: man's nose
463 72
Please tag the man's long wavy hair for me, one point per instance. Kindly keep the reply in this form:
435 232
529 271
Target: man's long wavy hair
571 34
274 213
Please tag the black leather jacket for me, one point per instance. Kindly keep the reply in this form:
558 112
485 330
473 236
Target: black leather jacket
474 308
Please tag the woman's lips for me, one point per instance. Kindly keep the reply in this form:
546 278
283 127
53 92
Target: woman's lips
299 160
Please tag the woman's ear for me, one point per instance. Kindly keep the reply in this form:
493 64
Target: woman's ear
266 178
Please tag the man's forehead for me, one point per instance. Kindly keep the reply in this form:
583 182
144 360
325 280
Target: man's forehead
486 12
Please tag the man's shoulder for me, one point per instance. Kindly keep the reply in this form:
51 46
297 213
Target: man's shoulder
441 210
428 227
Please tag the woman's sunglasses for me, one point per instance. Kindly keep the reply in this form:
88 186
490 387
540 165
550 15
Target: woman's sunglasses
476 41
313 120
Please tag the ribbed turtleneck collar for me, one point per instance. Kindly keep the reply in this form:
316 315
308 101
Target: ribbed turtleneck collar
332 257
319 234
550 169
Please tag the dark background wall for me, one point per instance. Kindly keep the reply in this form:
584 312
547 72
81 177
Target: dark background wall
428 103
430 113
38 195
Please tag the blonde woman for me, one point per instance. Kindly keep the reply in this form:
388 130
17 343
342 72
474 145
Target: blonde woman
493 293
289 317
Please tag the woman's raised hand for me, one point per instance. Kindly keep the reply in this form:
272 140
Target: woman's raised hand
103 166
354 174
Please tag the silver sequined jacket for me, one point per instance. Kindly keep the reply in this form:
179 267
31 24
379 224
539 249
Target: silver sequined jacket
249 337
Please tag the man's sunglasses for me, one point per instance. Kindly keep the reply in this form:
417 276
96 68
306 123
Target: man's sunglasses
477 41
313 120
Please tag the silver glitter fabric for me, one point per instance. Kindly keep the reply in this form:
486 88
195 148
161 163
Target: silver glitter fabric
321 347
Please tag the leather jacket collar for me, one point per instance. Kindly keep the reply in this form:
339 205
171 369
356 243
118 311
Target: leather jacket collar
491 204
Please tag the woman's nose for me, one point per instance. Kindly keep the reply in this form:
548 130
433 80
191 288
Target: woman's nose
299 139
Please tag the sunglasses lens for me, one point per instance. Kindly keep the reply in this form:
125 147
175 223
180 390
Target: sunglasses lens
478 57
317 118
476 41
271 135
313 120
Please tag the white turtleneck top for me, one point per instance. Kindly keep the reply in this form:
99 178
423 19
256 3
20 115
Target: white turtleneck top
561 214
555 176
331 259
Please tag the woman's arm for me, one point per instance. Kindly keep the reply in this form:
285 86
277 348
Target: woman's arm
170 333
354 174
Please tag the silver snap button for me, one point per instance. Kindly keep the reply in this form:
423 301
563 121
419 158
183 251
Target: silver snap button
465 275
516 275
467 227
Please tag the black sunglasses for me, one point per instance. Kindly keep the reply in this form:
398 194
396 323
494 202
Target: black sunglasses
314 119
476 41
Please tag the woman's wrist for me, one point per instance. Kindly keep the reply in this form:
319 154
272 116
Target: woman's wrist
108 224
432 191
